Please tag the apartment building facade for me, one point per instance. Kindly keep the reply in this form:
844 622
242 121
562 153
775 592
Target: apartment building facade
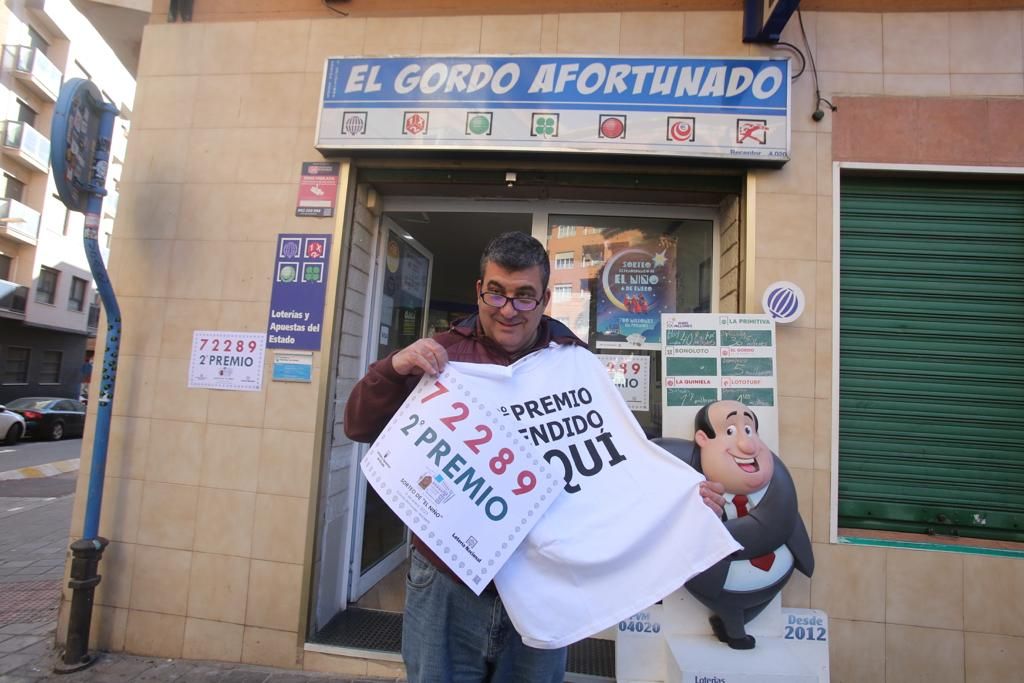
48 307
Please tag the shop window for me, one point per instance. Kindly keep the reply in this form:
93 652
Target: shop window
50 367
76 299
637 269
16 365
46 285
931 358
6 263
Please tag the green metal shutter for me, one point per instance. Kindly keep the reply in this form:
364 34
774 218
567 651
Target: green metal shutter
931 375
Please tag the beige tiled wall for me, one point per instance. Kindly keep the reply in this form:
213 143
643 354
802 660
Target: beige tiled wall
207 496
208 501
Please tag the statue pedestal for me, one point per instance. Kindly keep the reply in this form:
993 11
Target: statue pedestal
672 643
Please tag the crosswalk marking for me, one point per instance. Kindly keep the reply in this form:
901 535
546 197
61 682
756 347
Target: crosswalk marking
38 471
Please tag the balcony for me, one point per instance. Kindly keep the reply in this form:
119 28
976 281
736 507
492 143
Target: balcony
34 69
12 299
19 222
26 145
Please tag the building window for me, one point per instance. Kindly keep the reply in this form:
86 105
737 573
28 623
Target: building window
16 365
565 259
593 254
46 285
13 188
562 292
36 40
5 267
76 299
26 114
566 230
49 369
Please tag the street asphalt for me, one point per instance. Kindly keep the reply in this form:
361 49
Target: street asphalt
33 546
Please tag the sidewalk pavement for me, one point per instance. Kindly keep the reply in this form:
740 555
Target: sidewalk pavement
33 546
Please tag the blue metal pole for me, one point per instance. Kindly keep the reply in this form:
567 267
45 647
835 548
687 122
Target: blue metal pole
105 399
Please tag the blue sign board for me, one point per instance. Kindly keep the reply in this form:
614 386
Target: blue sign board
75 136
299 291
666 106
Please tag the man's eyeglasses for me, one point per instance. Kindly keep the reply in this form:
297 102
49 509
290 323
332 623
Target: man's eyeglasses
520 303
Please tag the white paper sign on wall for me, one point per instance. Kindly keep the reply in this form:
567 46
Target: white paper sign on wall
227 360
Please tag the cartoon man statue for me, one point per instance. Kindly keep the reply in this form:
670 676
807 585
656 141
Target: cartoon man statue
760 513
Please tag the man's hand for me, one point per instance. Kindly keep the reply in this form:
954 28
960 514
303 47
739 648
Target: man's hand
711 492
423 356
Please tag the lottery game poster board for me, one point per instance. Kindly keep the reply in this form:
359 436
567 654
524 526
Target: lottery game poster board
710 357
459 478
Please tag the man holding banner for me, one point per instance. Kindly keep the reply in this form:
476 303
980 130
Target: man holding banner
447 629
451 631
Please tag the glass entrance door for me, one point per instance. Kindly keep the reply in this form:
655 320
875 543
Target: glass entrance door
403 291
615 268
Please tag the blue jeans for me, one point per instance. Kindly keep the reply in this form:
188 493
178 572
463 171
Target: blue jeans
449 635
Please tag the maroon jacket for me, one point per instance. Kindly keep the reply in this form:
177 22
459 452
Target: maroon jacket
379 395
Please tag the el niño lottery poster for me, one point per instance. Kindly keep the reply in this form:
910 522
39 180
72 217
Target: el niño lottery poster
637 285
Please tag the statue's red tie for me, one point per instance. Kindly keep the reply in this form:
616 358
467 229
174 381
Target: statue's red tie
762 562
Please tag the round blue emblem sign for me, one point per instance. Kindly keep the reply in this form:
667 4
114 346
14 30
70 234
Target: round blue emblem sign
783 301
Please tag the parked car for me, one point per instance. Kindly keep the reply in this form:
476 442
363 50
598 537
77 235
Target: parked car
50 418
12 426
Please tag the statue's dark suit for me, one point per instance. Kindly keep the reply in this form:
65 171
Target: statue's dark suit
772 523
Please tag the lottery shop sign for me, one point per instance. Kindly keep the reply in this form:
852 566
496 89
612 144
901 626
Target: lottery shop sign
299 290
719 108
459 477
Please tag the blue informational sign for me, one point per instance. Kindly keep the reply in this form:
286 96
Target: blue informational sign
667 106
75 131
299 291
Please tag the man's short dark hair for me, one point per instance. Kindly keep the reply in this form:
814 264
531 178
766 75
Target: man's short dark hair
517 251
702 422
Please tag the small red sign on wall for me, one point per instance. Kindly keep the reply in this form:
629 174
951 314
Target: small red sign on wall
318 189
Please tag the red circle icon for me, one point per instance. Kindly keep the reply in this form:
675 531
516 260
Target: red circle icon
612 127
680 130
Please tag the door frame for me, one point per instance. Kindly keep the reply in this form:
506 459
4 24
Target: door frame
359 582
